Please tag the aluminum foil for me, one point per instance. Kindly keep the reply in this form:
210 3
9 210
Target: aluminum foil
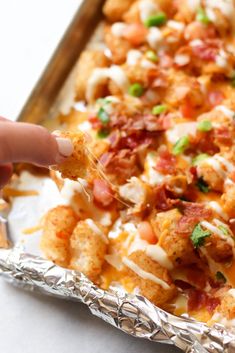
132 314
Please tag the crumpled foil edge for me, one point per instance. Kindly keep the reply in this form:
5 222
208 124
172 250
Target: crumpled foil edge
132 314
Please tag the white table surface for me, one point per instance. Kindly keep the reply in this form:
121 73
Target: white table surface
32 323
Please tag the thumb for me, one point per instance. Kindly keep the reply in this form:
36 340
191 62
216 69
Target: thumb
21 142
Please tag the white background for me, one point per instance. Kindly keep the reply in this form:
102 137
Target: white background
30 323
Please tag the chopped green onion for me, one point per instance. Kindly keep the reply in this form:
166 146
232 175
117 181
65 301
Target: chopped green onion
202 185
196 160
136 90
223 229
198 236
156 20
101 134
204 125
181 145
220 277
151 56
202 16
158 109
103 116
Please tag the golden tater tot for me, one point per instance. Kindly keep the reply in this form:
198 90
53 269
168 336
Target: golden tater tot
88 245
58 226
148 288
89 60
77 165
115 9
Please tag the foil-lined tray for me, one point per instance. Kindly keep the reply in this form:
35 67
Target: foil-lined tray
132 314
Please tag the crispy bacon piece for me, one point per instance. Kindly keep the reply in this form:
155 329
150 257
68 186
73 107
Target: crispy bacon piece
199 299
207 50
95 122
204 142
166 163
223 136
192 214
102 192
187 110
122 164
197 277
162 201
147 122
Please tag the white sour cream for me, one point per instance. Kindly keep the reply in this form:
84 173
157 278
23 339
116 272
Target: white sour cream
147 8
133 56
156 253
118 29
143 274
154 37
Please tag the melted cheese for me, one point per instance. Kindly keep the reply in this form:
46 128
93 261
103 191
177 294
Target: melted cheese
176 25
217 231
226 7
232 292
143 274
218 209
115 261
156 253
182 59
151 175
194 4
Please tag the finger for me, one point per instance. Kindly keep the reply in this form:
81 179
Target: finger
21 142
6 171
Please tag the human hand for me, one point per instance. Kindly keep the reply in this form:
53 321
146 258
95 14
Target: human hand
22 142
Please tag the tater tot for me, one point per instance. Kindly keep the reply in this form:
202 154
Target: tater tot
178 247
153 291
118 46
57 229
228 199
227 306
115 9
89 60
88 245
77 165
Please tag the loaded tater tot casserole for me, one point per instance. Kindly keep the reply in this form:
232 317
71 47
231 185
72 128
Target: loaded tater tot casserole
151 182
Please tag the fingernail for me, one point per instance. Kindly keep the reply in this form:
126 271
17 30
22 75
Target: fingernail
65 146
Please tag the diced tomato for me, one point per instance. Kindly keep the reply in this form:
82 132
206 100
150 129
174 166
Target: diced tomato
146 232
95 122
135 34
187 110
166 162
102 192
215 98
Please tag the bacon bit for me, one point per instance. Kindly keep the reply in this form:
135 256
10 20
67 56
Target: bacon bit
95 122
197 277
208 50
102 192
223 136
163 203
196 299
215 98
135 34
204 142
166 163
192 214
195 209
146 232
197 30
187 110
212 303
122 164
165 61
199 299
114 138
182 284
193 171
